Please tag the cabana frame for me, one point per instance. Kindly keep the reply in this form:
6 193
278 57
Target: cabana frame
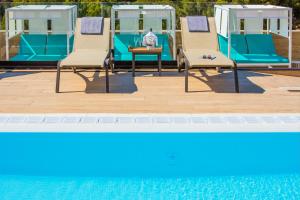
171 20
14 16
260 9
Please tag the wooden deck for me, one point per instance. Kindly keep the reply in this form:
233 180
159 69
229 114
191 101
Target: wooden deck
33 92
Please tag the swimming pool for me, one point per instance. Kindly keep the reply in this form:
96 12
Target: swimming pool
149 165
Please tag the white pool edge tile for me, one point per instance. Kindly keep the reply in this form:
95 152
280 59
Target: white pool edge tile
193 123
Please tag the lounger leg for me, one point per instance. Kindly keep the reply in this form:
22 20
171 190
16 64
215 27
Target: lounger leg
159 64
74 69
186 74
57 77
112 66
236 78
106 79
178 63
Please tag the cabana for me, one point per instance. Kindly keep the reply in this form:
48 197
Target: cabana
245 33
44 32
133 21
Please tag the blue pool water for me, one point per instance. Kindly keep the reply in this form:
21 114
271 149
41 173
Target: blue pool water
149 166
123 41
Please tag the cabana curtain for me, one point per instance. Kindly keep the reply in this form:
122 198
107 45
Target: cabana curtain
38 26
253 26
224 23
61 25
129 21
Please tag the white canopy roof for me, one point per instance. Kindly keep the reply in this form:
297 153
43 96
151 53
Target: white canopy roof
39 11
262 7
142 7
41 7
252 11
62 18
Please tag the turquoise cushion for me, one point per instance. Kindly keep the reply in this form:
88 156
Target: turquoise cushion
33 44
20 57
122 41
260 44
260 58
238 44
57 45
223 44
47 57
240 51
38 47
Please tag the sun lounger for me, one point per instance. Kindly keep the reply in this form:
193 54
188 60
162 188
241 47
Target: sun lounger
90 51
198 45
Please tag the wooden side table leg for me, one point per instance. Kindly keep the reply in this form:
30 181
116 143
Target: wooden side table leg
133 64
159 64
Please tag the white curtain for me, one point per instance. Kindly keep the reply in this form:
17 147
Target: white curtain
38 26
218 14
273 25
61 25
51 14
153 19
129 21
12 28
284 27
23 15
253 25
234 23
224 23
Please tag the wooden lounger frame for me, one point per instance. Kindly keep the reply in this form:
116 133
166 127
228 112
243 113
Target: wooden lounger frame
233 68
205 42
106 66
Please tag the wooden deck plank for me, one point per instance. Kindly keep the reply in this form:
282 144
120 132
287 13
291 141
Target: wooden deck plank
211 92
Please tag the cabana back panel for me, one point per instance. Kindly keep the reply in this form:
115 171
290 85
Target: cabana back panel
13 46
282 45
2 46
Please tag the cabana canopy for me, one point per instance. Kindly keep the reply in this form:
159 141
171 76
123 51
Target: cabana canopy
251 20
151 16
40 19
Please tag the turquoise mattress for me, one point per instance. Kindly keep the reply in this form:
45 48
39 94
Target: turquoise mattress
123 41
42 47
251 48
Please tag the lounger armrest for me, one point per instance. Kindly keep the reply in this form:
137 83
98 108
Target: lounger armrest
109 53
108 58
